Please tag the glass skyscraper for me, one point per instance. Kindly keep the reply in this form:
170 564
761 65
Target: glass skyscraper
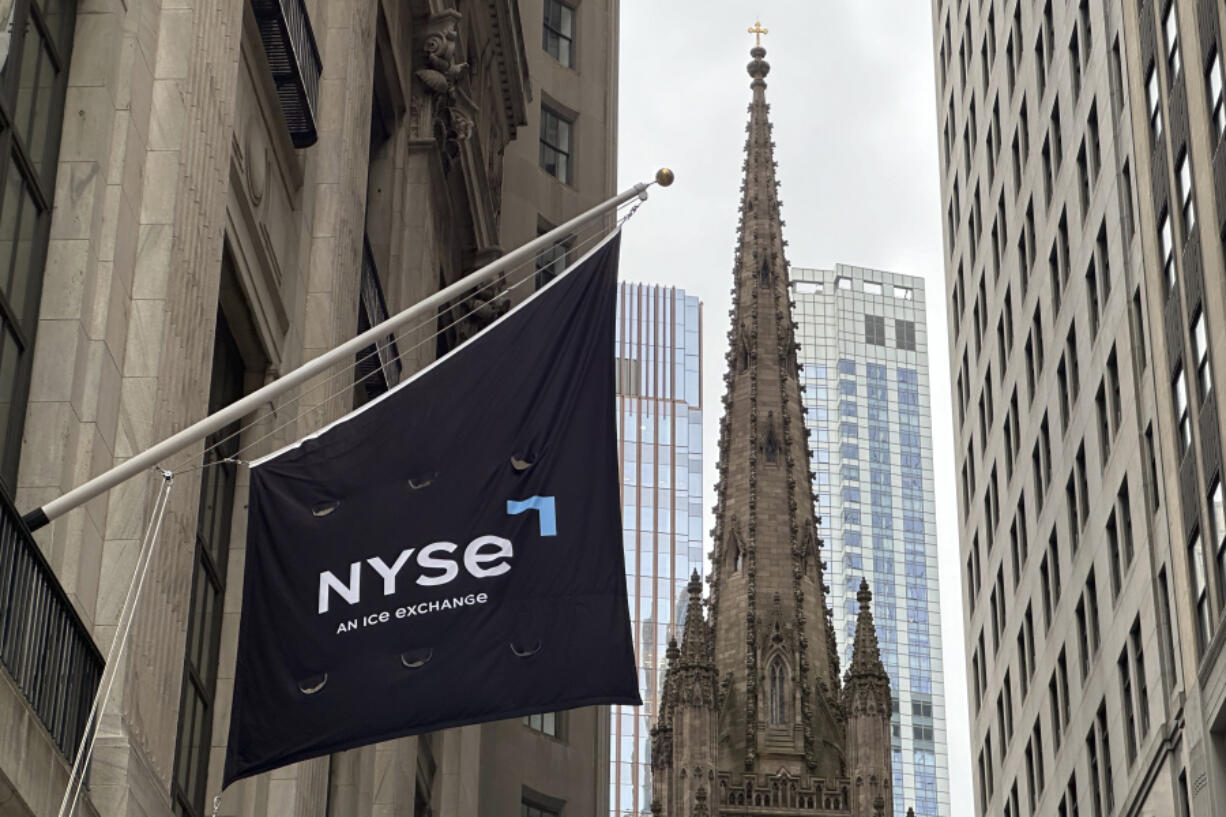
864 361
660 429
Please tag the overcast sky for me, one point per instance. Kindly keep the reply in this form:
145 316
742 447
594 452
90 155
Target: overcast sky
852 101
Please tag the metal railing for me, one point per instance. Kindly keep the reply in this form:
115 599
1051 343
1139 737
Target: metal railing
44 645
293 59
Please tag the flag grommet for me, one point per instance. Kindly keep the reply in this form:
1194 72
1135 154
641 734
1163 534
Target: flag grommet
533 650
325 508
415 659
313 684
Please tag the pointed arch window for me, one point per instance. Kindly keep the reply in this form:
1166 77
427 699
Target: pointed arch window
771 446
778 707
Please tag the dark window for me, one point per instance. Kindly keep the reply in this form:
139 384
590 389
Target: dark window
1213 89
558 36
1152 98
1170 28
874 330
546 722
1200 591
550 262
532 810
1180 391
32 83
904 335
556 143
212 549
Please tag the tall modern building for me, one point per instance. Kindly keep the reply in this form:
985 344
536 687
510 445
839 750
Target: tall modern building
659 387
199 197
1083 183
864 365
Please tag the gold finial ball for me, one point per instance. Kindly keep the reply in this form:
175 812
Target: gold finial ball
664 177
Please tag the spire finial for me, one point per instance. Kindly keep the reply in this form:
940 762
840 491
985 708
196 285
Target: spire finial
757 31
864 596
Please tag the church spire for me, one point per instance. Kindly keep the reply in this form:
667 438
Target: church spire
767 597
754 712
866 691
866 656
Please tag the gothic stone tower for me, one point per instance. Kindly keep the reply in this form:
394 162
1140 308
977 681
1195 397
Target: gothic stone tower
753 715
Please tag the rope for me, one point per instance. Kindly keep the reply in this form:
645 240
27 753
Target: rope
85 751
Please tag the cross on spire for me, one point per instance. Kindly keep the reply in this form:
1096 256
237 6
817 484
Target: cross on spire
757 31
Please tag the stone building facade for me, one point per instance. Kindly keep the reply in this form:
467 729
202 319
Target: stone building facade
198 197
754 716
1083 183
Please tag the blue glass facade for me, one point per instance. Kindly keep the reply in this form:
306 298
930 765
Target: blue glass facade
659 385
864 358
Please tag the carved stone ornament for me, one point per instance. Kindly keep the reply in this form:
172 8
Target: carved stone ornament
441 42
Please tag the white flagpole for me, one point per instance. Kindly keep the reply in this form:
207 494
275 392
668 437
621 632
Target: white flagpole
152 456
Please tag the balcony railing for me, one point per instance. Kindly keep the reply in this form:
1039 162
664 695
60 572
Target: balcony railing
44 645
293 58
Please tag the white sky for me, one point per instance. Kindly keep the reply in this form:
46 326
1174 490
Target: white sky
851 89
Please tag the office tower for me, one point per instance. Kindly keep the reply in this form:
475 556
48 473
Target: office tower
659 388
1083 193
755 714
864 365
200 197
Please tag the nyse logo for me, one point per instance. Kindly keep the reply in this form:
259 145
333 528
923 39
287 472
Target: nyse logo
436 564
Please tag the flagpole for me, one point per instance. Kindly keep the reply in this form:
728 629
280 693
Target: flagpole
154 455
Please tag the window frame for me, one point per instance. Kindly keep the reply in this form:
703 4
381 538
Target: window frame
1216 97
566 152
1170 35
547 29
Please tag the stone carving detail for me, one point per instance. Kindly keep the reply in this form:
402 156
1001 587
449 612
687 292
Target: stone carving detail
443 67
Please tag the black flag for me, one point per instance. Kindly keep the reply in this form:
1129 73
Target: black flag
449 554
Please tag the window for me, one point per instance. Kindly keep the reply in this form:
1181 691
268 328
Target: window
1180 391
843 282
1155 110
1104 742
1130 722
1217 529
1083 639
550 263
1138 662
1170 28
1213 87
1200 591
212 550
545 722
556 144
558 35
874 330
1096 790
778 700
528 809
1200 352
1183 180
1167 248
31 108
872 288
904 335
